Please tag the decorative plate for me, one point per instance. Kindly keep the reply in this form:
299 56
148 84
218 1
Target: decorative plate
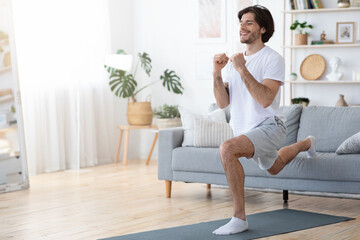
312 67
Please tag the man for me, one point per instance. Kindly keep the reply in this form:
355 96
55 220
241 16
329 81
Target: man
254 79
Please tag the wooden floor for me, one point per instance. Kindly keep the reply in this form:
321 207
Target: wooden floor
112 200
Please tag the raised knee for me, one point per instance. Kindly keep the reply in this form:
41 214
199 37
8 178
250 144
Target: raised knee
273 171
227 153
225 150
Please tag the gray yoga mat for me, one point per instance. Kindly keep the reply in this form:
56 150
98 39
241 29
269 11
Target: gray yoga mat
260 225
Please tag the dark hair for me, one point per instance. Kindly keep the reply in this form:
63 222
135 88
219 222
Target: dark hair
263 18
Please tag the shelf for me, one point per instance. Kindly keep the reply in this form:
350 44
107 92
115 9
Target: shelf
322 82
10 156
322 10
323 46
4 42
4 69
8 129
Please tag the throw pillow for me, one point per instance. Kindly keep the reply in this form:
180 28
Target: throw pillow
188 118
214 106
211 134
292 114
350 145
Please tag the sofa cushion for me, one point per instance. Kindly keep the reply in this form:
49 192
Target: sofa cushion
292 114
326 166
197 160
207 160
330 125
350 145
211 134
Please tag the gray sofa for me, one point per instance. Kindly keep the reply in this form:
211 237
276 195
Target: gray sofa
328 172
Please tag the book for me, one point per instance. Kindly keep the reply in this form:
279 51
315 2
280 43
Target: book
306 5
292 4
317 4
321 42
299 4
296 5
311 5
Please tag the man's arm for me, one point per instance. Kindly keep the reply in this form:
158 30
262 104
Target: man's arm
265 92
220 93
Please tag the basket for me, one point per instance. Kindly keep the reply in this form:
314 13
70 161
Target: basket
139 113
312 67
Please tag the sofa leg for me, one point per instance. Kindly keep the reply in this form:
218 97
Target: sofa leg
208 186
285 196
168 188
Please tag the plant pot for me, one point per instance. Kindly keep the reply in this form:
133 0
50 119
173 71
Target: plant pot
301 39
139 113
168 122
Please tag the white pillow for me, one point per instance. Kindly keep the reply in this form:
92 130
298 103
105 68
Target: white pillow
350 145
211 134
188 118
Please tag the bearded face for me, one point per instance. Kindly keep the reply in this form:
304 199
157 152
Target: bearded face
250 31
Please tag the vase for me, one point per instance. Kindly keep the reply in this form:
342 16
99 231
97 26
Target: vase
341 102
343 3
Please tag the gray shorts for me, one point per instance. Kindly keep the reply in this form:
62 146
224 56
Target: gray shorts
267 138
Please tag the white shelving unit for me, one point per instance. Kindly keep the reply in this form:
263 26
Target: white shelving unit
13 164
3 43
322 82
323 46
293 48
323 10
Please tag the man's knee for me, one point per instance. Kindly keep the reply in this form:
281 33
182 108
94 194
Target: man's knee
277 166
227 151
273 171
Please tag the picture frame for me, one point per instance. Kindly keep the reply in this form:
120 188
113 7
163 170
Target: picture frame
345 32
211 21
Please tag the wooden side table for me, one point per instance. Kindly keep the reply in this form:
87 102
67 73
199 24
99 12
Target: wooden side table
127 129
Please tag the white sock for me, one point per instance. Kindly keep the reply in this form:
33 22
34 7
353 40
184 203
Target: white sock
236 225
311 152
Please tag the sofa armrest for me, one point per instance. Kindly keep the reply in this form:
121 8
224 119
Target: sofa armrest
169 139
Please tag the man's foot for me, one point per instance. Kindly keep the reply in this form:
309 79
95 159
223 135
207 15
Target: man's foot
311 152
236 225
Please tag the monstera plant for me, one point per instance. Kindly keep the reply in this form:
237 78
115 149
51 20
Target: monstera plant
124 84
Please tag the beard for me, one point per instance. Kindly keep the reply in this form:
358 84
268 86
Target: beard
250 38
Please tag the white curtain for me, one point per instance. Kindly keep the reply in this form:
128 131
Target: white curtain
66 100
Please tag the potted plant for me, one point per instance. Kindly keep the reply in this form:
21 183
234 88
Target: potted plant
301 38
124 85
167 116
304 101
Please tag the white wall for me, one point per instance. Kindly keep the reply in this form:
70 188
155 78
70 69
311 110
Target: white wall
121 14
167 31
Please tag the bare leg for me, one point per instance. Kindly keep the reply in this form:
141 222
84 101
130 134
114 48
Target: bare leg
230 151
287 154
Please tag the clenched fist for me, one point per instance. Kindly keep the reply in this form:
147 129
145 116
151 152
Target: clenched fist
220 61
238 61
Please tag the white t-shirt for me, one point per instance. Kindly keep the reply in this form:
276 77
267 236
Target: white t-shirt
246 113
